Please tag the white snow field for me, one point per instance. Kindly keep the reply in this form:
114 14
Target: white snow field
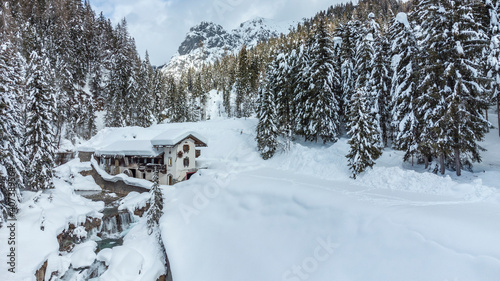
299 216
295 217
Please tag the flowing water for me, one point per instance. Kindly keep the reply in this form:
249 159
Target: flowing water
115 225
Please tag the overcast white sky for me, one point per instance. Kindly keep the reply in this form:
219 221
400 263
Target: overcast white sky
160 26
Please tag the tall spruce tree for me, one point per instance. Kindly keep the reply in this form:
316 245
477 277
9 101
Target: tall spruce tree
155 210
363 69
364 137
143 111
279 82
119 88
403 86
267 130
11 155
494 54
243 86
350 34
299 69
381 77
159 87
453 88
39 138
178 97
321 106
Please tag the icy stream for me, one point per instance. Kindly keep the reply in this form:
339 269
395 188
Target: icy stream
115 225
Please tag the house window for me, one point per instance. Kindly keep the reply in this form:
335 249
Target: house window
186 162
170 161
185 148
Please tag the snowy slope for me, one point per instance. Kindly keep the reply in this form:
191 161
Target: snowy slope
299 216
43 216
208 41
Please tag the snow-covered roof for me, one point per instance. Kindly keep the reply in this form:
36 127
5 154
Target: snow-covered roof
130 147
137 141
175 136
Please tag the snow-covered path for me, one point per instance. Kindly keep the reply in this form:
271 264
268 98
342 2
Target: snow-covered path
299 217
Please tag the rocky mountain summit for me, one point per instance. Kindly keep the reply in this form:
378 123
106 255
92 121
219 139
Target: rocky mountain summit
208 41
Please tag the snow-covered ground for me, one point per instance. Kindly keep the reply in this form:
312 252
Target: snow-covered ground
43 216
297 216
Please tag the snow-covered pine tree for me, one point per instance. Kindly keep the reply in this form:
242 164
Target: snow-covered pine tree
300 74
121 74
494 54
381 73
280 82
11 154
363 132
65 87
39 138
242 86
432 19
363 127
155 210
199 98
454 92
404 51
178 97
267 130
167 111
228 79
363 68
154 214
159 87
143 115
321 107
102 64
468 98
350 34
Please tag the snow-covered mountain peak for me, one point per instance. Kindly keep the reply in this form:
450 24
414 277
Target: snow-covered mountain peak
209 41
206 34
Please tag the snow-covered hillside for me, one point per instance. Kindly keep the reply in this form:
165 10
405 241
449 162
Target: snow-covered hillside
208 41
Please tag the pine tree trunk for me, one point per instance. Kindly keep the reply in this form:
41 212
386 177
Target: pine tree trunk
457 161
486 114
441 164
426 162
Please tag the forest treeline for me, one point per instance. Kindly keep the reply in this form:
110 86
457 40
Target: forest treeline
418 81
